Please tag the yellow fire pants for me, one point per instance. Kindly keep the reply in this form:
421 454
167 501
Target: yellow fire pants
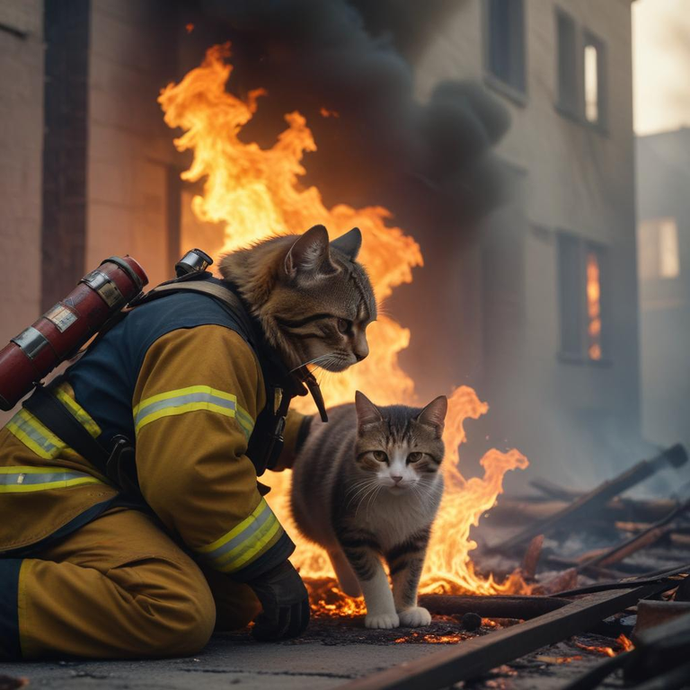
119 587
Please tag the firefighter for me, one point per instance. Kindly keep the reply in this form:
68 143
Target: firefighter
109 552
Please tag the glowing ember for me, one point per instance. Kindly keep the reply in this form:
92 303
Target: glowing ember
325 112
256 193
593 306
623 644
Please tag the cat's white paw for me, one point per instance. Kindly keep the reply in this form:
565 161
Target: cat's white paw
383 621
415 617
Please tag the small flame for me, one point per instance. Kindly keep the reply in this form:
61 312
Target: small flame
256 194
623 644
325 112
593 306
189 27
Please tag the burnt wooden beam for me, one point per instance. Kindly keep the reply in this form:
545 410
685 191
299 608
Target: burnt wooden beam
596 499
524 607
639 541
471 658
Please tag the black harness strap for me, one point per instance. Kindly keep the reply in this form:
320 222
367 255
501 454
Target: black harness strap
54 415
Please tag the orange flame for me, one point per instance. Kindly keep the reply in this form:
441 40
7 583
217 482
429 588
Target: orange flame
593 306
256 193
623 644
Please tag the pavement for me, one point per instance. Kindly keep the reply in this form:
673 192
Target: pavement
227 661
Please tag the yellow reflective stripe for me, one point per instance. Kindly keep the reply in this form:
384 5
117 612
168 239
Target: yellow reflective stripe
179 392
245 541
35 435
191 399
22 479
245 421
82 416
253 552
237 530
19 488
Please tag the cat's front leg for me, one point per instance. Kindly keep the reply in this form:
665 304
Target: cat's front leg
372 578
405 563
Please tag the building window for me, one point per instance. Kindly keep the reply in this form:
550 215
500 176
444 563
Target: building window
593 60
581 275
506 42
581 72
658 249
568 92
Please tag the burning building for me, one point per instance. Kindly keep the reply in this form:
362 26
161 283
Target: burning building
529 296
484 148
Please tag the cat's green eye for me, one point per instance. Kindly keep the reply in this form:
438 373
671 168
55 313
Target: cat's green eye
415 457
344 326
380 456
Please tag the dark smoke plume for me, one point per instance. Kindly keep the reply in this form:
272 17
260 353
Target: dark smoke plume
354 58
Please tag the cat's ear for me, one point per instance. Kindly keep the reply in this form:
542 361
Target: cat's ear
349 244
310 253
434 414
367 412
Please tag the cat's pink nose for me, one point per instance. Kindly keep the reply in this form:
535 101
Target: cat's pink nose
397 480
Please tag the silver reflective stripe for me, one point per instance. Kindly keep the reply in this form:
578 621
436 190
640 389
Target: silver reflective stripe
181 400
35 435
246 534
24 478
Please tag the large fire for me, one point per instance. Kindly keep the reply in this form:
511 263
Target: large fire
256 193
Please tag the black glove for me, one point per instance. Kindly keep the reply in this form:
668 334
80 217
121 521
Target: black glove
285 604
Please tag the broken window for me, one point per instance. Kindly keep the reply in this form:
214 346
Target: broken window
506 42
658 248
581 275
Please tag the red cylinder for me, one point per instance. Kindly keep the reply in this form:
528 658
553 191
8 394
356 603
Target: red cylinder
64 328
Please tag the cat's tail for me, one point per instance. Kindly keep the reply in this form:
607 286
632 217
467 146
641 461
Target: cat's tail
346 576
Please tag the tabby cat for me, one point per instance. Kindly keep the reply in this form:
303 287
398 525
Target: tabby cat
313 300
366 487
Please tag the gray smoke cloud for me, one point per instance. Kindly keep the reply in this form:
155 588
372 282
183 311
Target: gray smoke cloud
355 58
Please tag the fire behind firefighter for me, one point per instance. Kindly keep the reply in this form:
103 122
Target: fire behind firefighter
108 553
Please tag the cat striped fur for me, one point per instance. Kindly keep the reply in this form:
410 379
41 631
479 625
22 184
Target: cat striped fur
312 298
367 487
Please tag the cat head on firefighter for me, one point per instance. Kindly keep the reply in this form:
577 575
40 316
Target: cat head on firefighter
311 296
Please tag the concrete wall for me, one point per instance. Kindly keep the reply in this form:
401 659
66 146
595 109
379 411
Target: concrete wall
21 147
573 419
133 55
21 164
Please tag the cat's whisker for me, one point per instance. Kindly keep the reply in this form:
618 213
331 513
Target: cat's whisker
315 360
362 490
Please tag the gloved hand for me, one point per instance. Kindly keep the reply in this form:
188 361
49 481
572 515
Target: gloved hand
285 604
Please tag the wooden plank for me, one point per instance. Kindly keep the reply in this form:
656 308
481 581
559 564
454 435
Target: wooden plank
471 658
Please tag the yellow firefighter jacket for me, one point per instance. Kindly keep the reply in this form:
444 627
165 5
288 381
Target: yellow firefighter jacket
179 379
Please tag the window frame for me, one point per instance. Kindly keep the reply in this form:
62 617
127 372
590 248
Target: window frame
516 92
582 247
583 38
574 109
589 38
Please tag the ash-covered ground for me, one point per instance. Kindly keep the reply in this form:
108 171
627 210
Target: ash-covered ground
332 652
